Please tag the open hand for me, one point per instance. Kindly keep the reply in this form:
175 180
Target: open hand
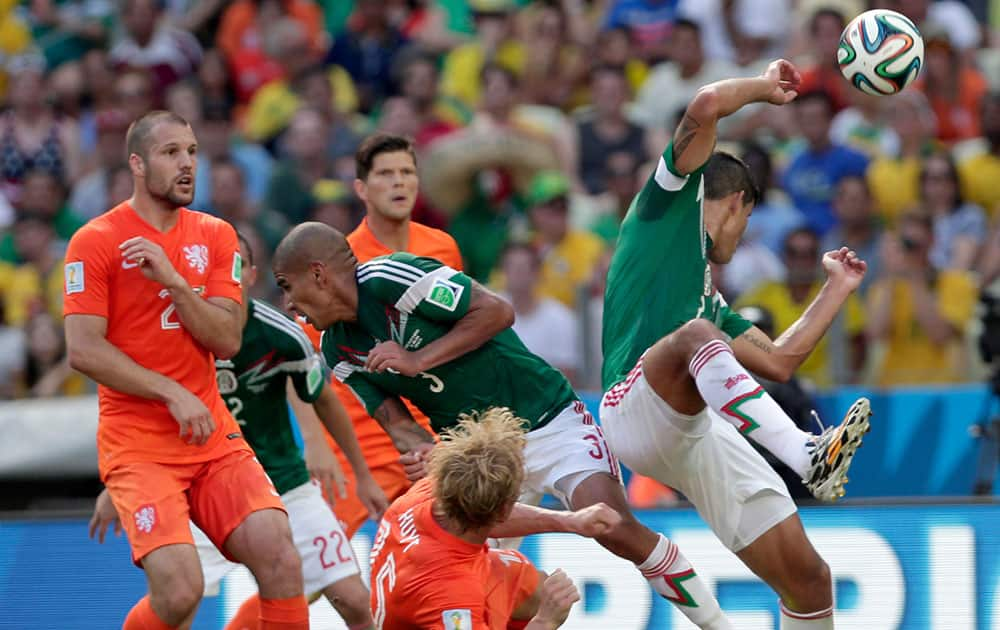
105 515
372 497
194 418
325 469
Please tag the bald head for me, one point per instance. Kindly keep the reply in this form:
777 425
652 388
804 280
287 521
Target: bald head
308 242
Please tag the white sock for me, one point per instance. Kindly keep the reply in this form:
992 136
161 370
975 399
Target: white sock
819 620
672 576
729 389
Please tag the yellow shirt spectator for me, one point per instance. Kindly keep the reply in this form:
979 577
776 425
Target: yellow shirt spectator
14 37
980 178
273 105
460 76
568 265
895 185
23 288
778 300
911 358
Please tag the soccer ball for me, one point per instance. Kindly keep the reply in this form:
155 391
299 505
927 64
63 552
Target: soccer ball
880 52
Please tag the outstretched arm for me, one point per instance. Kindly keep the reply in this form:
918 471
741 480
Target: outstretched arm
525 520
777 360
694 139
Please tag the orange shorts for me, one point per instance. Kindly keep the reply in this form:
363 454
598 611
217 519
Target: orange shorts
513 580
156 501
351 512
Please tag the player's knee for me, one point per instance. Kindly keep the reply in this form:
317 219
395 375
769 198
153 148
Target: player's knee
810 584
351 599
178 600
693 335
287 562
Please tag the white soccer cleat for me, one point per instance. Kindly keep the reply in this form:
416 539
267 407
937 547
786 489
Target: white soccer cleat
832 452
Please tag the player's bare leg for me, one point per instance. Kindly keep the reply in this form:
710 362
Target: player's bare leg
352 600
694 366
173 573
263 542
659 560
785 559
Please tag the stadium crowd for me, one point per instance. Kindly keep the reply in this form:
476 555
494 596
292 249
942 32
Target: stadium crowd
535 124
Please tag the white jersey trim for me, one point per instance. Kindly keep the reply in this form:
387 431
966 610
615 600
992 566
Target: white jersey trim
667 180
413 296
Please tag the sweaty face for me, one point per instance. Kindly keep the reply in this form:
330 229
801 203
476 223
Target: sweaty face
390 190
170 163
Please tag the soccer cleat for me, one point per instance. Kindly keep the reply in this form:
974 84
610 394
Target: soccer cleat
832 452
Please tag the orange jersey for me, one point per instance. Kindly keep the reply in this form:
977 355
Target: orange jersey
424 241
143 324
425 577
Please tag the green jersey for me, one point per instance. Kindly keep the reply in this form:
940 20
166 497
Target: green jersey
414 301
659 277
253 384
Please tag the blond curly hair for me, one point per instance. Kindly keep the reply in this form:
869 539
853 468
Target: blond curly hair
478 467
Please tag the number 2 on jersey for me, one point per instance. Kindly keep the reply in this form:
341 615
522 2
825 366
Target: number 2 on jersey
166 321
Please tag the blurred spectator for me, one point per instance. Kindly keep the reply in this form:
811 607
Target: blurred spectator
813 173
787 301
290 186
547 328
66 29
230 202
823 73
773 217
918 314
857 226
613 48
621 178
274 104
314 88
462 74
335 206
959 227
89 196
954 88
15 37
217 89
672 84
133 93
864 126
606 130
119 184
153 45
33 282
895 179
988 265
741 32
649 24
366 50
793 398
980 174
592 323
568 256
33 136
216 142
12 359
953 17
555 63
243 23
437 115
398 117
44 196
99 81
427 24
46 371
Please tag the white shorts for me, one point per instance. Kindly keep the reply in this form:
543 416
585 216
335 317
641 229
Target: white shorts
327 556
734 490
564 452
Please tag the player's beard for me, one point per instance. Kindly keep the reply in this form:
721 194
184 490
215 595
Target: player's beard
168 195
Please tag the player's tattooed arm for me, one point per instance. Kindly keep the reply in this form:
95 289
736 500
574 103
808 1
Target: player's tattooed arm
396 420
757 353
685 134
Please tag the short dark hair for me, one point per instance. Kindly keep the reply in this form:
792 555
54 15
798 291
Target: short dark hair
799 231
689 24
137 136
726 174
821 96
521 246
375 145
824 12
245 247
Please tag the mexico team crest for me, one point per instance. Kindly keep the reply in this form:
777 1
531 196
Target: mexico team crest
227 381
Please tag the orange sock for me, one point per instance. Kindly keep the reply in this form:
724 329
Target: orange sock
248 616
142 617
291 613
